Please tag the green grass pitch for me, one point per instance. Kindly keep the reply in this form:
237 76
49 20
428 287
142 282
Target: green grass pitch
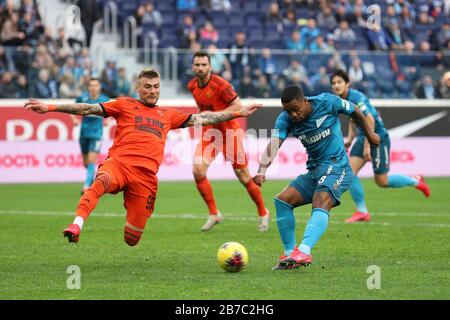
408 239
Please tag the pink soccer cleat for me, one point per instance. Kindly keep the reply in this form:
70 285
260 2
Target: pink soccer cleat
358 217
423 186
296 259
72 232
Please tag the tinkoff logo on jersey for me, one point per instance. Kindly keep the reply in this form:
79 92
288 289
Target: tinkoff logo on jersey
317 137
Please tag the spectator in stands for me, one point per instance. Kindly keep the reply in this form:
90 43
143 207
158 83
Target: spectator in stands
3 61
378 39
326 18
68 87
7 87
436 9
290 18
62 42
152 16
10 34
274 15
186 30
219 61
91 13
342 14
295 42
208 33
263 89
335 62
443 36
444 86
239 55
266 63
246 87
344 33
139 16
288 5
428 58
407 23
356 73
358 15
309 32
70 67
320 81
32 28
296 74
320 46
427 89
122 86
21 87
109 77
44 86
390 16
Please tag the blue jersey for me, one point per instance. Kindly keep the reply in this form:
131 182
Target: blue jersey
91 126
320 133
363 103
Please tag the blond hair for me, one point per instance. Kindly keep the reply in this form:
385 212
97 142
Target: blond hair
148 73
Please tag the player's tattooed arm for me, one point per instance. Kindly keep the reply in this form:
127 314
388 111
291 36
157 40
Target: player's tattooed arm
73 108
361 122
209 118
266 159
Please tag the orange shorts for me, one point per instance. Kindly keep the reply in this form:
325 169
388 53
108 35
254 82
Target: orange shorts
139 188
230 143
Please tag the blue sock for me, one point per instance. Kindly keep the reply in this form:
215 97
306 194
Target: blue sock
286 225
315 228
357 193
400 181
90 174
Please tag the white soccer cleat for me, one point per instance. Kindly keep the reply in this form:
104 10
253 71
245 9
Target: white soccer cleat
263 222
212 221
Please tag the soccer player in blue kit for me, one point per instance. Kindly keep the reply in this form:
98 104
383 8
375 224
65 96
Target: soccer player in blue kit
315 122
91 131
362 152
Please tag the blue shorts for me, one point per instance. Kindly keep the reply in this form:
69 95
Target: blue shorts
380 154
90 145
332 178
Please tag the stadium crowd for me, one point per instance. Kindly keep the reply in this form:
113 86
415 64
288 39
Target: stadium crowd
390 48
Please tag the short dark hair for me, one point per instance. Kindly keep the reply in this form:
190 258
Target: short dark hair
291 93
340 73
95 79
201 54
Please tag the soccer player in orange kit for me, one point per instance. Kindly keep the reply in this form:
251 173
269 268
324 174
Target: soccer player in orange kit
136 154
213 93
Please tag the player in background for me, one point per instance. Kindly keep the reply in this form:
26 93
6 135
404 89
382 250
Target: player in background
91 131
213 93
315 122
362 152
137 151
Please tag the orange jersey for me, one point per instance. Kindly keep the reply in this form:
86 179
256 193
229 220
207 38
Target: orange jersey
216 95
141 131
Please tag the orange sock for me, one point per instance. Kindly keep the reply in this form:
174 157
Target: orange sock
205 189
131 236
90 197
255 193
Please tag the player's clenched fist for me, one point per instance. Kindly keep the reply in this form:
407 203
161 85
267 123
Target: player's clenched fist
259 179
36 106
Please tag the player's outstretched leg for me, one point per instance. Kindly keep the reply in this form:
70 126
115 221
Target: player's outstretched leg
255 193
357 193
206 191
87 203
401 181
301 256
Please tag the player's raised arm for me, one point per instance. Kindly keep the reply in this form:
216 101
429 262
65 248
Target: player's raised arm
72 108
266 159
361 121
209 118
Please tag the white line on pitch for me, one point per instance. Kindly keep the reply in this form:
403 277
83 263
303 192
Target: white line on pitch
227 217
